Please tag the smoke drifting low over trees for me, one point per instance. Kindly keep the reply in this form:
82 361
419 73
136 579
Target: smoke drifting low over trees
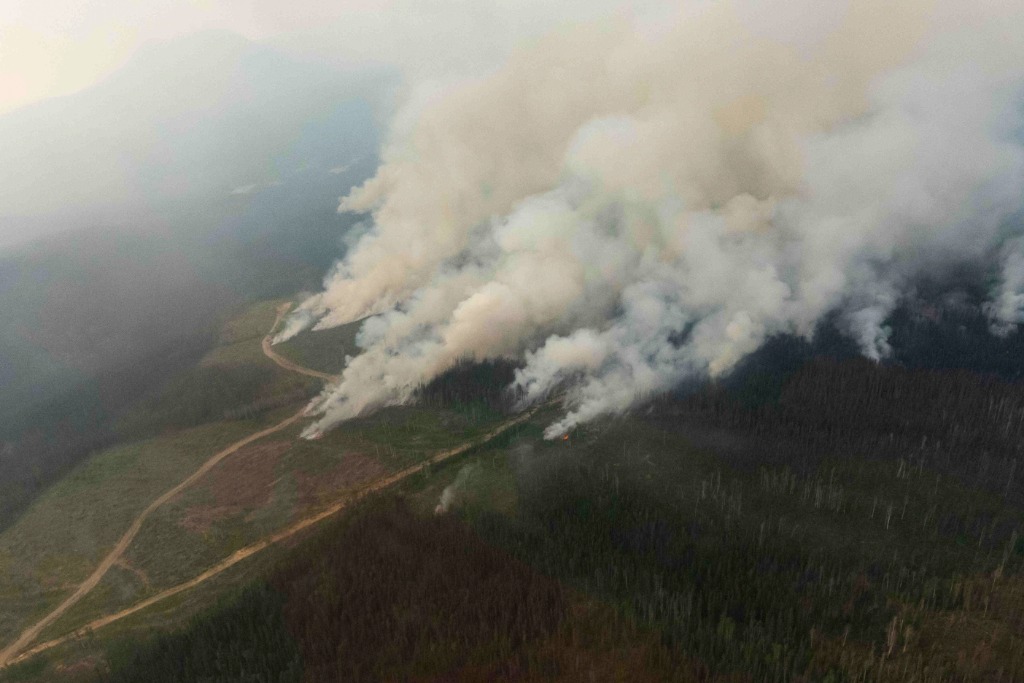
635 203
854 521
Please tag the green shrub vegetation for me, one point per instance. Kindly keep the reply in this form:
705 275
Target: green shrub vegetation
855 523
809 519
323 350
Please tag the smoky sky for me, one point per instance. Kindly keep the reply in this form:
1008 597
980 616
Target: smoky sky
50 48
732 170
198 99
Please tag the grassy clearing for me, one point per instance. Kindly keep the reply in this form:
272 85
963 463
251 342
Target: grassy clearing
65 533
80 660
233 380
239 339
208 521
67 530
323 350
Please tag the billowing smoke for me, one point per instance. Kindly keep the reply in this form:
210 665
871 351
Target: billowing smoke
452 490
627 205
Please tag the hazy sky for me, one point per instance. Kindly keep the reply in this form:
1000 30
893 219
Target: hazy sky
55 47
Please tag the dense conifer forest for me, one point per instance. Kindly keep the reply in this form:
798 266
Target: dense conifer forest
815 517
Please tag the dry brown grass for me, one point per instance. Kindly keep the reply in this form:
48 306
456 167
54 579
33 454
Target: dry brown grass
354 471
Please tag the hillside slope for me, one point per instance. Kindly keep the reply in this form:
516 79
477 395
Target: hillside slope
263 492
848 527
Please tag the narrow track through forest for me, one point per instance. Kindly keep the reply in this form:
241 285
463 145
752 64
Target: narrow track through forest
19 649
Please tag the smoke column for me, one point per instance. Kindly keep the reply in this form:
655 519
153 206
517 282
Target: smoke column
628 204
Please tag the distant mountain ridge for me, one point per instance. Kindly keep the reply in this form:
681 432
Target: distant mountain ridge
123 239
195 117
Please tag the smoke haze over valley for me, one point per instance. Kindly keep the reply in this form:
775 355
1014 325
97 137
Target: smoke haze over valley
510 340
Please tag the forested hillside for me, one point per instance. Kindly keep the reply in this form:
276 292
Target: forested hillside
843 521
97 322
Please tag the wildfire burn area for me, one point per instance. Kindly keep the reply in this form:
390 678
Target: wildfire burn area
840 521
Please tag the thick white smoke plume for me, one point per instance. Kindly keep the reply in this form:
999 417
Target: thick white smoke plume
629 204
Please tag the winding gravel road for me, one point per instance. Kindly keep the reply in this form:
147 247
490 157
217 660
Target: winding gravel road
16 651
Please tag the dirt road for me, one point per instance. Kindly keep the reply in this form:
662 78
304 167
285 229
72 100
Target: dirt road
248 551
268 351
16 652
30 634
116 553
